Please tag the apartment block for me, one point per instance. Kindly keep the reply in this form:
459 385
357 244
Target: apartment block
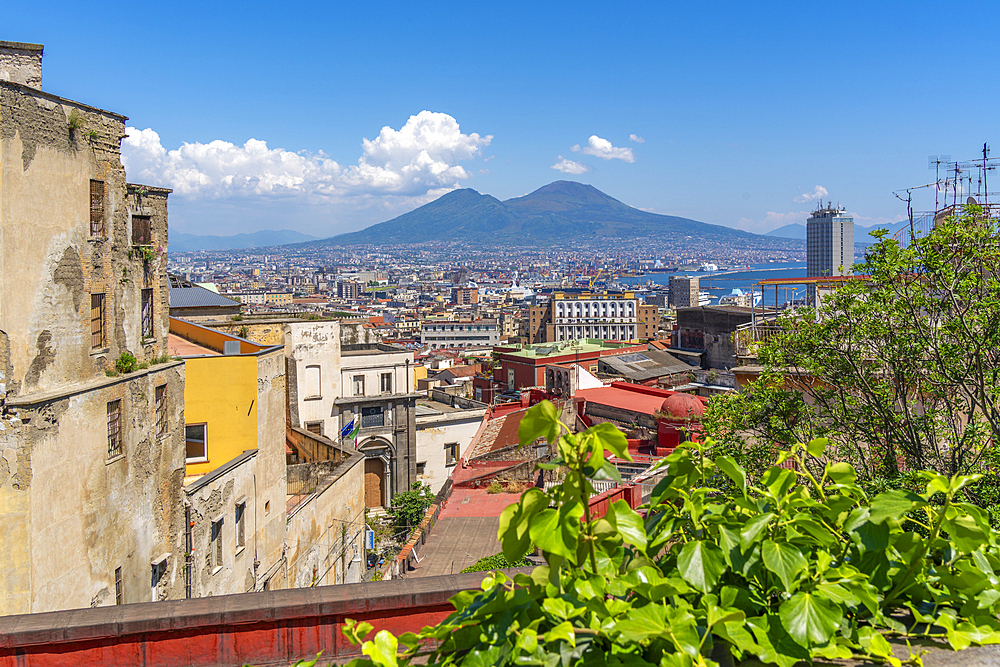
605 316
458 334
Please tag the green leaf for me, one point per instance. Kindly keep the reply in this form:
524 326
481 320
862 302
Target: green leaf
893 505
382 651
642 623
628 523
784 560
778 481
558 531
752 529
563 631
611 439
817 446
965 533
515 522
701 564
540 421
841 473
733 471
810 619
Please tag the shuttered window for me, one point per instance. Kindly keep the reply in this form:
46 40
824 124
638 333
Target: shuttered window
96 208
98 338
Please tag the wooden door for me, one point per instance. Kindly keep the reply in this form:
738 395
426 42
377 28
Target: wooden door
374 479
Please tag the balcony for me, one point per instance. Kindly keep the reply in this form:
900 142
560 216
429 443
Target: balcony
749 337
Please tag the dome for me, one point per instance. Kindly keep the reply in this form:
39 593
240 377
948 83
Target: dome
683 406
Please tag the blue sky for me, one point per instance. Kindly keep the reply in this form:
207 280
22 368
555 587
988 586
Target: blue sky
744 110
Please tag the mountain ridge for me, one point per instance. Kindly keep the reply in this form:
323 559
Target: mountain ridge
559 212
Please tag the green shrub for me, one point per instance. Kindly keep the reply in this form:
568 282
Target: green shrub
494 487
409 507
793 568
126 363
495 562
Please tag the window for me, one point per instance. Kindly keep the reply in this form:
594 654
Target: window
115 428
451 453
315 427
241 525
160 394
98 338
196 437
421 468
147 313
96 208
386 383
372 417
213 558
313 382
119 589
141 230
359 385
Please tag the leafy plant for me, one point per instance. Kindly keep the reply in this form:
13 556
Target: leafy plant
92 135
494 487
126 363
409 507
900 367
495 562
244 331
76 121
797 567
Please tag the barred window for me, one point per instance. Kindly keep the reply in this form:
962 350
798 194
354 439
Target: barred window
97 333
119 589
147 313
96 208
161 410
142 230
115 428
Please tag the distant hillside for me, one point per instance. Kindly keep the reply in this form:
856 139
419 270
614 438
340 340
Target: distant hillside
262 239
861 233
559 212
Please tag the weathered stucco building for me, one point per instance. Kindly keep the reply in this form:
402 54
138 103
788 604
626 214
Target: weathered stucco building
339 372
91 459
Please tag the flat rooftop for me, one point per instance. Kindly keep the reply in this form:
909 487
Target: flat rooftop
180 347
581 346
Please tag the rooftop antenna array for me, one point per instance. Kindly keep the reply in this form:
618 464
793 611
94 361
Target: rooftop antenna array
952 179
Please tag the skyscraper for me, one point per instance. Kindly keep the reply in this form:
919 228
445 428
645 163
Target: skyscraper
829 242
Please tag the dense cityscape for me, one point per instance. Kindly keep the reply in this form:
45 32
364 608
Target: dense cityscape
562 431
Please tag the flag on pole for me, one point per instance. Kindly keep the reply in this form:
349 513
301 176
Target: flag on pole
354 432
348 428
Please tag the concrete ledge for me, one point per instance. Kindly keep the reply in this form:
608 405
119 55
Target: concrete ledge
344 601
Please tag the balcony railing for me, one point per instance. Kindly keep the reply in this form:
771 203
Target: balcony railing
749 338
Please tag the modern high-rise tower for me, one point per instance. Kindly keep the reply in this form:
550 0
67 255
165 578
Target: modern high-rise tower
829 242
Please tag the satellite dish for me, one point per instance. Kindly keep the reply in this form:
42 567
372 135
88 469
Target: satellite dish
971 201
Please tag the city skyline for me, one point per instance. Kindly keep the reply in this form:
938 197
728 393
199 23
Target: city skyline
327 119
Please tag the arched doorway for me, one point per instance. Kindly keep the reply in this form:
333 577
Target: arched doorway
374 482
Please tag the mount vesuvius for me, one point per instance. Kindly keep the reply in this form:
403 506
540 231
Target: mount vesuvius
560 212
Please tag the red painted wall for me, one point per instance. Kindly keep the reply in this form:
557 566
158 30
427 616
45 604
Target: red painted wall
262 629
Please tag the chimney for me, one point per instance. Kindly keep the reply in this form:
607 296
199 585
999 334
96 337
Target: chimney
21 63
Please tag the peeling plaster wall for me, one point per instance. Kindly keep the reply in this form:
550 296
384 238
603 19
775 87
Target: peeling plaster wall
326 534
316 344
46 247
72 516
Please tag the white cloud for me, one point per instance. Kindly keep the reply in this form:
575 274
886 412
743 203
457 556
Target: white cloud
570 167
421 157
603 149
636 138
819 192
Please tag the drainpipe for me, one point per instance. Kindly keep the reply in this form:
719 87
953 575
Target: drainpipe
188 550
